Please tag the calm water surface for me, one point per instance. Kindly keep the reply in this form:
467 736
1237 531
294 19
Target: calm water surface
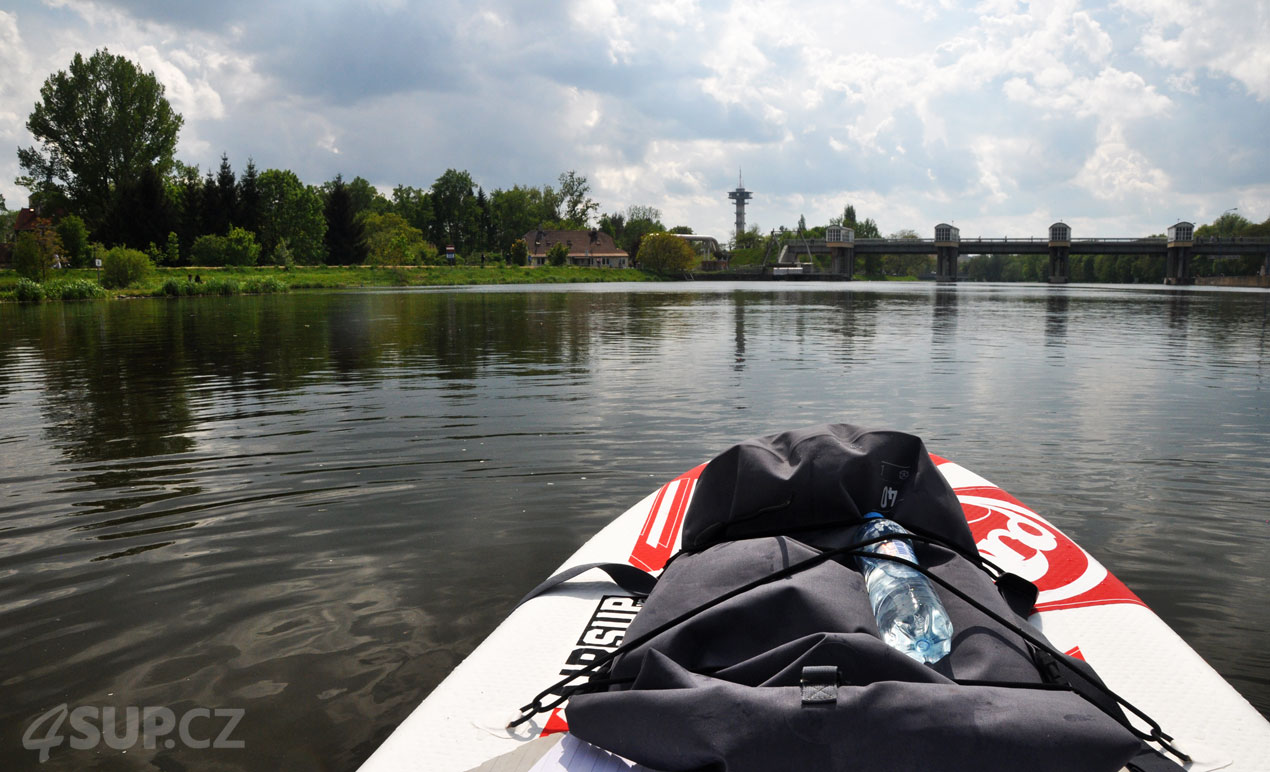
312 507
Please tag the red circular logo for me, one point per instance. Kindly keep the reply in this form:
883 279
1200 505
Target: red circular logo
1024 543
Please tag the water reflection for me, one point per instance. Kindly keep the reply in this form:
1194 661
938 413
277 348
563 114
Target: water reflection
1057 304
315 505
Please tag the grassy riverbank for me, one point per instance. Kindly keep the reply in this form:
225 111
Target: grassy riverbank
232 281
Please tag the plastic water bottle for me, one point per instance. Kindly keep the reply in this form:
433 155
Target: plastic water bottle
910 615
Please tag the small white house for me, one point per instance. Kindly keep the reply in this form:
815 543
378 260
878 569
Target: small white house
839 234
946 234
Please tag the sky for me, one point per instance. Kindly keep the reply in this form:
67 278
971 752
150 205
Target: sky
1001 117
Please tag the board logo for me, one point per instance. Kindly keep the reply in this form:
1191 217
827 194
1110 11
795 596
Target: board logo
604 632
1022 542
602 635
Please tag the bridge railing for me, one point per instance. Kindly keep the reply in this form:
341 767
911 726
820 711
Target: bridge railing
1120 241
1232 240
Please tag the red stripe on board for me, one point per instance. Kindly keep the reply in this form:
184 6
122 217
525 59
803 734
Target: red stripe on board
651 551
1075 652
937 459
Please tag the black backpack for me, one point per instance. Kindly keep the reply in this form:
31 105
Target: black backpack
757 648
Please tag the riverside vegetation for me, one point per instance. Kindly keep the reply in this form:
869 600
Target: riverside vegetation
82 283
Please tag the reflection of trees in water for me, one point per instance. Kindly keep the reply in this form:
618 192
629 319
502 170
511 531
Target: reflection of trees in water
120 377
103 401
127 379
841 320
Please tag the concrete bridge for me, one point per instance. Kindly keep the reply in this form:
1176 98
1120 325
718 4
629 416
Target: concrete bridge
1177 248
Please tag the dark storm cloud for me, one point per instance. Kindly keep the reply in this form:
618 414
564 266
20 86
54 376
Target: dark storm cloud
347 54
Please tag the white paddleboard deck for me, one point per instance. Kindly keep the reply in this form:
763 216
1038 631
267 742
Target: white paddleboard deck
1082 608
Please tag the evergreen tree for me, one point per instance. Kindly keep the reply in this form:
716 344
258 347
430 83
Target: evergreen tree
140 214
249 199
484 226
189 209
214 220
227 193
345 239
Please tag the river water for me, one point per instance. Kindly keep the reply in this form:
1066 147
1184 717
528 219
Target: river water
311 507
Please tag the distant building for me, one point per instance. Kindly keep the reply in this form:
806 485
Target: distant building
591 249
741 196
25 222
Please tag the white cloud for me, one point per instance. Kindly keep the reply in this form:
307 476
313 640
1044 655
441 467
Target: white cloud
1115 171
195 98
1225 37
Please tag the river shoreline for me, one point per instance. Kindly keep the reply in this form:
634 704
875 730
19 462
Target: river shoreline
212 280
205 280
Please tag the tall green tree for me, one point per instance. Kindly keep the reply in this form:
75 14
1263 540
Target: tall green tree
227 193
215 218
578 206
186 192
484 223
1226 226
99 123
454 207
515 212
291 213
365 197
140 214
248 214
641 221
415 205
614 224
74 235
345 238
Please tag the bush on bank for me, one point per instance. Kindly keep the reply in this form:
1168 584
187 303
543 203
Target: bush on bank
123 267
27 291
237 248
228 285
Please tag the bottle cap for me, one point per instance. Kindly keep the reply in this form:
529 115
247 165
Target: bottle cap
872 514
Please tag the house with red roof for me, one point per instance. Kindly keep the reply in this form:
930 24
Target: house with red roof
591 249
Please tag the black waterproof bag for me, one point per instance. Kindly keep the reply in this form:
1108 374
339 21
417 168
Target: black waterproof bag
751 672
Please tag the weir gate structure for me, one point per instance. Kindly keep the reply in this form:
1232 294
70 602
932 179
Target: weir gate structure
1177 249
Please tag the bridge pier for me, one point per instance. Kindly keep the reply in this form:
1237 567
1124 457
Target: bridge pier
842 261
1060 265
945 263
1177 268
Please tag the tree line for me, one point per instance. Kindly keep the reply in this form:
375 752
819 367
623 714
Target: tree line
105 171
